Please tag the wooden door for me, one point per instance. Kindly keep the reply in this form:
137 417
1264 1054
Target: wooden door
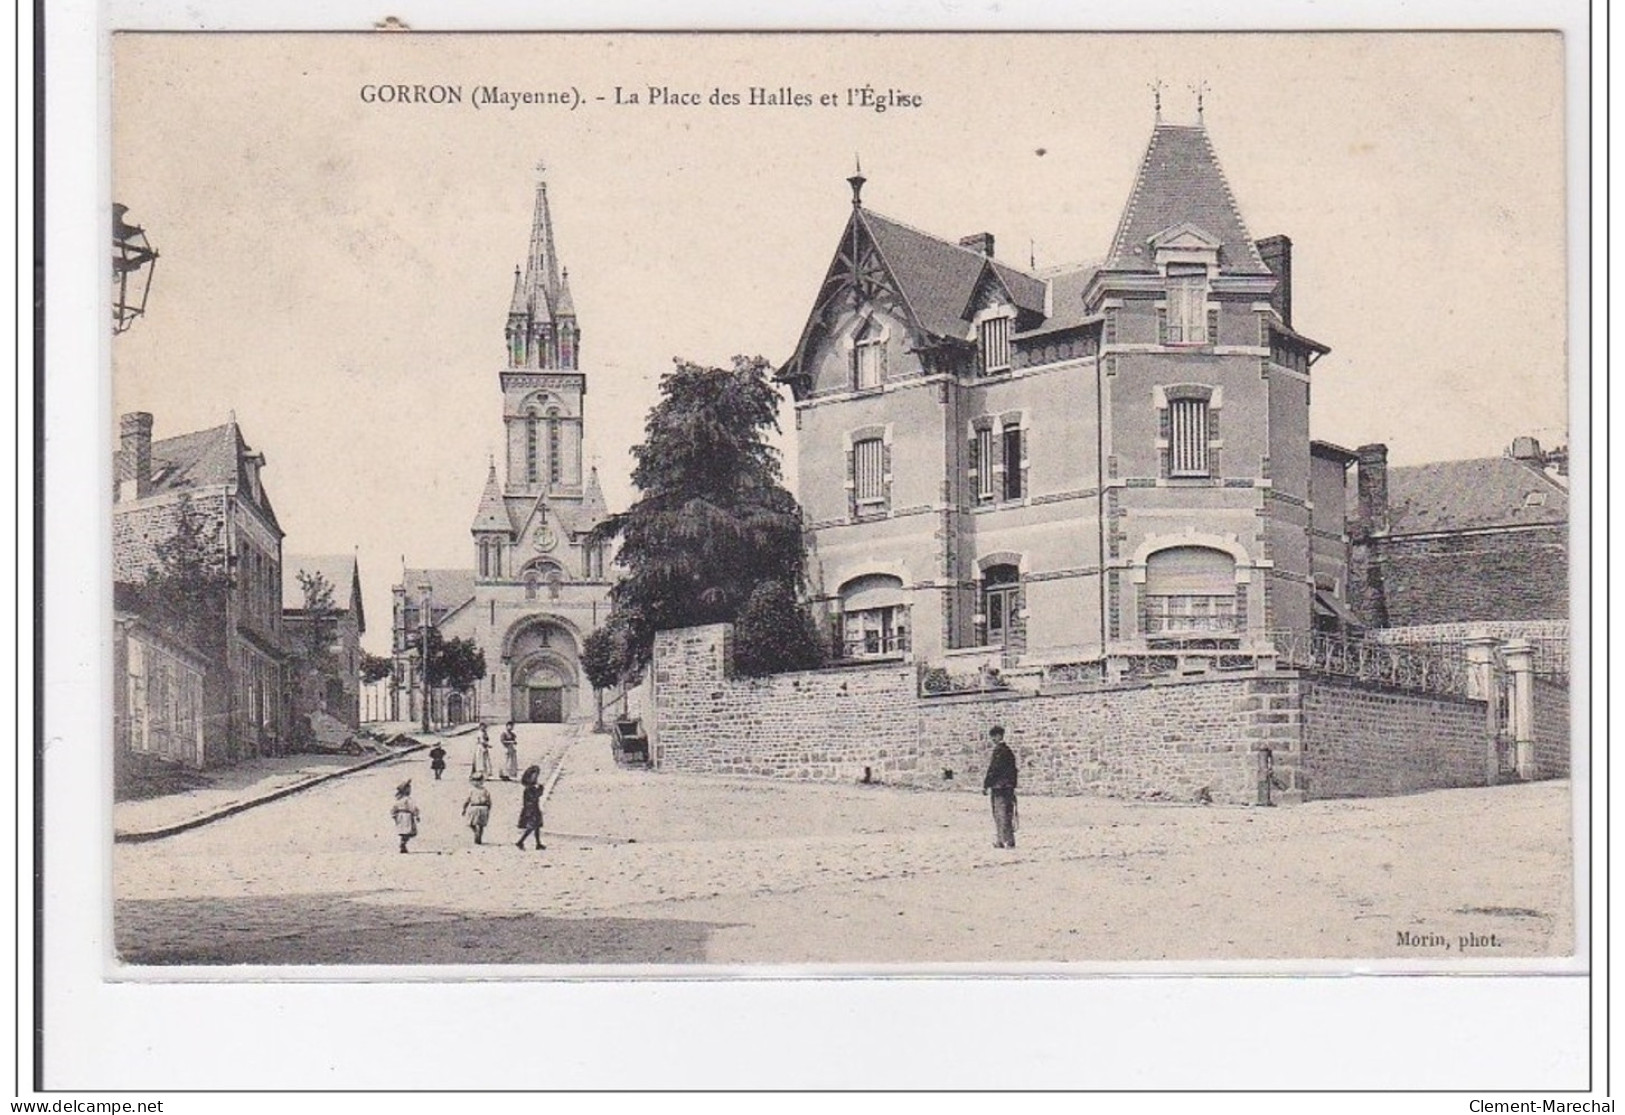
547 706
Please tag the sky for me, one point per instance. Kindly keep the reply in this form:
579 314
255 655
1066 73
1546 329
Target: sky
336 272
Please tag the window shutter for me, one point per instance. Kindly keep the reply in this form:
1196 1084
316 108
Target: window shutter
852 368
1162 326
885 473
1213 423
851 483
1164 426
1213 327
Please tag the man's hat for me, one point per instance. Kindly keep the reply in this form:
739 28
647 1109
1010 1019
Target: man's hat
996 732
404 788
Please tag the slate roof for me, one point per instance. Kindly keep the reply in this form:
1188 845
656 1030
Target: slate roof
449 588
1472 494
1066 289
204 458
340 570
937 277
1180 181
492 513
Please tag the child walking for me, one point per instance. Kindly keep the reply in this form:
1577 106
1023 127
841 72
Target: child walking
405 813
477 809
530 809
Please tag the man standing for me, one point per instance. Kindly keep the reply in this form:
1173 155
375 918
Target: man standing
1000 785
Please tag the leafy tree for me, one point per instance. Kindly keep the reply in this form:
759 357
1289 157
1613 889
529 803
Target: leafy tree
375 667
774 633
320 616
453 663
188 585
713 519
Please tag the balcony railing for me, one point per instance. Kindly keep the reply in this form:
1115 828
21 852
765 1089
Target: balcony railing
874 644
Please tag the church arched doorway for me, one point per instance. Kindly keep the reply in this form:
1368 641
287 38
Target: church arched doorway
544 672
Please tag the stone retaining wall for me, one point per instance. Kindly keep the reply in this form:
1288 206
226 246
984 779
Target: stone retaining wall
1361 742
1171 739
1553 740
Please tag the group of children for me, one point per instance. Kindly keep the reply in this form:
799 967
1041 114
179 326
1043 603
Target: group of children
477 807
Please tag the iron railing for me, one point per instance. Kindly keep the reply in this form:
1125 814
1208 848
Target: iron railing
1390 664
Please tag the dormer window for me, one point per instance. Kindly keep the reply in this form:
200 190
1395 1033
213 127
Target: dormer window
1187 305
993 337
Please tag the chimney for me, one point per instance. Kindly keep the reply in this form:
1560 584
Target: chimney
1276 251
1527 449
1372 487
980 242
135 455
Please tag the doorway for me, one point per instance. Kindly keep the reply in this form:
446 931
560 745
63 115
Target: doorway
546 706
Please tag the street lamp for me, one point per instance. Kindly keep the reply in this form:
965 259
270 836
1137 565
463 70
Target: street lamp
426 591
133 262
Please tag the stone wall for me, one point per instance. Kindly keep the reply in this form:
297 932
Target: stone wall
1364 742
1513 574
1553 738
1170 739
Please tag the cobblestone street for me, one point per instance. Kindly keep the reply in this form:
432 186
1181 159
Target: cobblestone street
644 867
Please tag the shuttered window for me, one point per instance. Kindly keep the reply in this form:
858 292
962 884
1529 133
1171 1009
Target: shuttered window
982 462
1187 310
995 340
869 471
1188 437
1012 462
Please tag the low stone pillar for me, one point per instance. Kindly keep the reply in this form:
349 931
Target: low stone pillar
1519 657
1480 649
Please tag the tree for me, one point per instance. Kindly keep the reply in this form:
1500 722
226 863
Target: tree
774 633
320 616
375 667
454 663
713 519
188 585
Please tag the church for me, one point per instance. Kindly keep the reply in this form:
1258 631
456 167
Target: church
1004 466
537 587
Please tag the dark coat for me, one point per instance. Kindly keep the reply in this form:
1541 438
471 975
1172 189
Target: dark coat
530 809
437 758
1001 772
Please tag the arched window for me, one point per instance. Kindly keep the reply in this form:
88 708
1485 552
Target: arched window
874 618
555 448
1189 590
532 582
1001 597
532 448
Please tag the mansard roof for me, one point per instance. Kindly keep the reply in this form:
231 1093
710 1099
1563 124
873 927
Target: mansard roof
1181 183
1473 494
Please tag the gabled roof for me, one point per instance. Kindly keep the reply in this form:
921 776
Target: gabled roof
449 589
1180 182
1471 494
492 513
217 455
935 277
339 570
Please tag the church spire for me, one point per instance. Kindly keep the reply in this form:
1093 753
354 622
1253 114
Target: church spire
542 266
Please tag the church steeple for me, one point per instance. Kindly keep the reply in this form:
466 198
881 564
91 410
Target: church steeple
536 336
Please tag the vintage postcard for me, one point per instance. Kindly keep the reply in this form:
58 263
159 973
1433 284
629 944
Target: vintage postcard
854 500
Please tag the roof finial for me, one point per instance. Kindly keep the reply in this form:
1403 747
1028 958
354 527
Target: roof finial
856 182
1156 88
1032 254
541 168
1199 88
